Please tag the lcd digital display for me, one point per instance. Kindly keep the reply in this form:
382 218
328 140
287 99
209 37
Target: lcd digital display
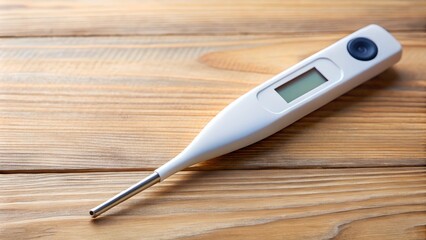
300 85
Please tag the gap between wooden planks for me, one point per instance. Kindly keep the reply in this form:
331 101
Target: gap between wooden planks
372 203
132 103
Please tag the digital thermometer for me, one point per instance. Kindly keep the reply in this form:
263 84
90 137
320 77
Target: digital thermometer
280 101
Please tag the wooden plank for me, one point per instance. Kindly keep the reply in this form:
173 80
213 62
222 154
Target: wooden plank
130 17
387 203
135 102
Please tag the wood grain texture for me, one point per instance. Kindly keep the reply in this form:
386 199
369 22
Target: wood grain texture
93 94
136 102
387 203
131 17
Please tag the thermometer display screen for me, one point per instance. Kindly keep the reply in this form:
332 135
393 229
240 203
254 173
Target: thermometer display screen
300 85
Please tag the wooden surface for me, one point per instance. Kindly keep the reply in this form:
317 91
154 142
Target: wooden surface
373 203
95 94
152 17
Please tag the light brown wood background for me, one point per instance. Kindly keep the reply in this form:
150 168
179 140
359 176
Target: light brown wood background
96 94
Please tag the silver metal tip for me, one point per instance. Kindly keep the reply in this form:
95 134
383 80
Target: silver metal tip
126 194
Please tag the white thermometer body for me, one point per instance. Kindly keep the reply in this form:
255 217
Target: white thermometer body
262 111
282 100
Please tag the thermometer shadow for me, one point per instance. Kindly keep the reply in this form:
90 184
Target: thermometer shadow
258 155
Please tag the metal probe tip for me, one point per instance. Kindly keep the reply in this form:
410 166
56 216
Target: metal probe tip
126 194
